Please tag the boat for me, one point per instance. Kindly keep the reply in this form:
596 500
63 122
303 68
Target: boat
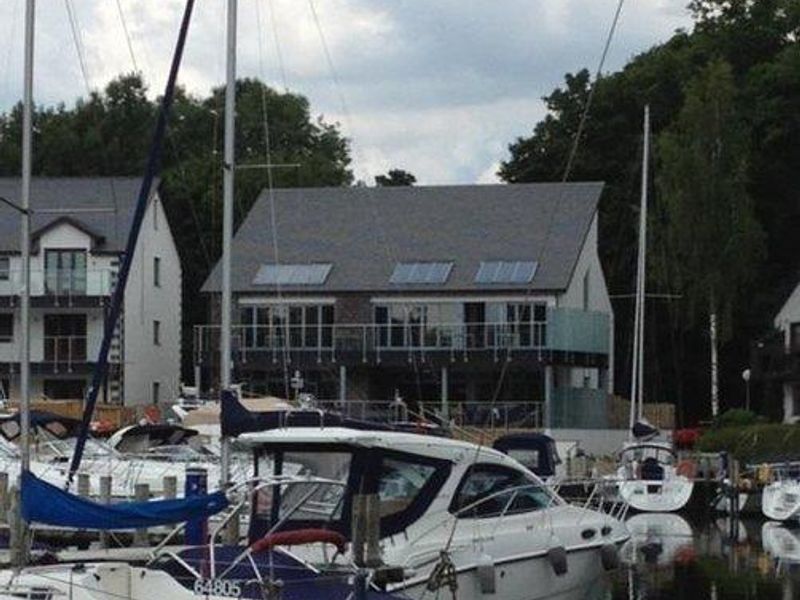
780 500
649 478
536 451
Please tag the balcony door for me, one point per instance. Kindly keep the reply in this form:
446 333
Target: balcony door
64 338
65 272
475 320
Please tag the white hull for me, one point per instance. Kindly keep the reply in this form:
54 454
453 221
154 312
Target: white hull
657 538
667 495
527 579
780 500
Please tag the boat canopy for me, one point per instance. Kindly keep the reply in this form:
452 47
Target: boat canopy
141 438
49 505
535 451
56 425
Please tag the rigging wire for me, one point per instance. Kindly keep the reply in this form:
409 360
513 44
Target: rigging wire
278 51
127 36
271 197
598 74
78 41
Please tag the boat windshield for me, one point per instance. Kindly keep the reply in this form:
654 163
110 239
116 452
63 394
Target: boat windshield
660 454
64 449
313 500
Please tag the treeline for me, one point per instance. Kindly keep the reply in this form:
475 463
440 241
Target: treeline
725 201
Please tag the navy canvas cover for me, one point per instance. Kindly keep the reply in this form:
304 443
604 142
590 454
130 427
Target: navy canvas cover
45 503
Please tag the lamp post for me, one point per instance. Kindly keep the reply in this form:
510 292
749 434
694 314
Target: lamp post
746 377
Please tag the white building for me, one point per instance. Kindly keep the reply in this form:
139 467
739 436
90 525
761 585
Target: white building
75 257
787 322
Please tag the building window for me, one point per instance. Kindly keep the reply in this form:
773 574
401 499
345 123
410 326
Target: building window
6 328
794 337
157 333
65 338
155 215
5 268
156 271
65 272
5 388
64 389
155 393
586 291
280 326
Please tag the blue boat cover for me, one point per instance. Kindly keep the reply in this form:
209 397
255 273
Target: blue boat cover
45 503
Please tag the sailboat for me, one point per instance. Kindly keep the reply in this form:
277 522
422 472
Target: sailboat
647 476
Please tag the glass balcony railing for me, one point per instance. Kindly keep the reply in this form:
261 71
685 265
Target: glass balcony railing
565 330
60 283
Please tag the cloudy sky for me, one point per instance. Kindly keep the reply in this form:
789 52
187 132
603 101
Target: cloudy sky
437 87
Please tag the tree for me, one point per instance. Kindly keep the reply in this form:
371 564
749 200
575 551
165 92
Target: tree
395 178
715 242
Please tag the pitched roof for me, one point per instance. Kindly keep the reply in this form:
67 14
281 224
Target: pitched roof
365 232
109 229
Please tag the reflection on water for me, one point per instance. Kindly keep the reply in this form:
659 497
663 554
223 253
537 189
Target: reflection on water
671 556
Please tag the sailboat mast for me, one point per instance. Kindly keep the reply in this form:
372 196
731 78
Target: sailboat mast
642 279
637 362
227 221
25 241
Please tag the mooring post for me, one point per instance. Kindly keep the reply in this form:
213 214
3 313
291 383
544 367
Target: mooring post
105 497
15 529
141 492
4 496
170 487
84 485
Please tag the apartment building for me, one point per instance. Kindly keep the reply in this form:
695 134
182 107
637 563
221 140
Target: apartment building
79 230
453 294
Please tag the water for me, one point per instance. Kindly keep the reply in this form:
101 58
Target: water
675 557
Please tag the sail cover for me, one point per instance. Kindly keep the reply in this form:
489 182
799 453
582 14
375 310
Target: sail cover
47 504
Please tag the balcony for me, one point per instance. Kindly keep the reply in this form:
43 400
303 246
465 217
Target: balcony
59 286
770 359
566 335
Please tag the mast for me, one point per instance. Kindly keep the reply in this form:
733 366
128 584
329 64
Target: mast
227 221
637 366
25 241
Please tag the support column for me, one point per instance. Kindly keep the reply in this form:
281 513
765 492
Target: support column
198 377
548 421
342 383
445 389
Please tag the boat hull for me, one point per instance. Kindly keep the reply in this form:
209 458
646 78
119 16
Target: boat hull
781 501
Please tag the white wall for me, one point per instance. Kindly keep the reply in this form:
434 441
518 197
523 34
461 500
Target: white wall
588 269
789 313
144 361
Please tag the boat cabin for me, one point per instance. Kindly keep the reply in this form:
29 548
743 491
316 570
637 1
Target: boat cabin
413 477
138 439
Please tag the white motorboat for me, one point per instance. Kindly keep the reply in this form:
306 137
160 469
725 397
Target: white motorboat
448 509
781 543
780 500
648 478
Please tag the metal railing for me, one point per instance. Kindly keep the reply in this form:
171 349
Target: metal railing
60 283
565 330
64 349
497 416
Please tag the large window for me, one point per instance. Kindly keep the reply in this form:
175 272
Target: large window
794 337
489 490
5 268
65 337
6 328
286 325
456 325
65 271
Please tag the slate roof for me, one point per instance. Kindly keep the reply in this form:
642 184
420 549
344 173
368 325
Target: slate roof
364 232
110 228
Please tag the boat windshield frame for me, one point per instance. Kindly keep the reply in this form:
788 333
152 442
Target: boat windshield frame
662 453
364 472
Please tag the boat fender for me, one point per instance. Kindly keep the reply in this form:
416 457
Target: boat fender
486 574
558 559
609 557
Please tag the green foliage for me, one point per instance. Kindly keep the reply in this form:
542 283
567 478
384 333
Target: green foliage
109 133
395 178
709 225
754 443
757 42
737 417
